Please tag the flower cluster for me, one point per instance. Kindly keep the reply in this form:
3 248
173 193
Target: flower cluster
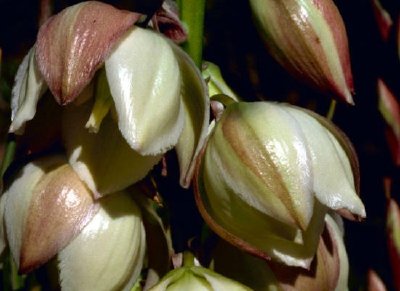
270 179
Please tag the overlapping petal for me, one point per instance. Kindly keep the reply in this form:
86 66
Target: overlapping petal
74 43
109 252
45 208
145 82
104 160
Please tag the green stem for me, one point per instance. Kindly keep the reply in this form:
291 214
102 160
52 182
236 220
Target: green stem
9 153
188 259
192 14
331 110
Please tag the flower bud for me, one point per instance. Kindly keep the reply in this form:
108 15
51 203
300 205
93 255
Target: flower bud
328 271
383 19
264 172
375 282
390 110
46 206
196 278
308 38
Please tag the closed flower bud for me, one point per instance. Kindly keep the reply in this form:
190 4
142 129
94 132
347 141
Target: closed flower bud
308 38
393 237
263 183
196 278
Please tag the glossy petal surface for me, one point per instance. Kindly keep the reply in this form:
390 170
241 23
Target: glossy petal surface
103 160
46 207
145 83
74 43
108 254
196 106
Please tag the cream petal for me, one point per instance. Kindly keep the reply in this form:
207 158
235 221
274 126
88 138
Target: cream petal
74 43
109 252
103 160
335 188
28 88
197 114
145 82
268 146
219 282
46 207
251 230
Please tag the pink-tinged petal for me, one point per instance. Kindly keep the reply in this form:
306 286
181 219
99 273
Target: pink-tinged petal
375 282
316 51
74 43
166 20
393 233
390 110
324 272
383 19
46 208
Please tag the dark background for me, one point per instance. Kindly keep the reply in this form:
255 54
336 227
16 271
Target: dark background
231 41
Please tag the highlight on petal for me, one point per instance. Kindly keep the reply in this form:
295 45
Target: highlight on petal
383 19
74 43
45 208
269 147
335 189
103 160
28 88
251 230
196 106
109 252
317 51
145 83
390 110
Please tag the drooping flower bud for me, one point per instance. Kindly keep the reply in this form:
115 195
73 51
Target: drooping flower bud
263 185
383 19
390 110
45 208
196 278
308 38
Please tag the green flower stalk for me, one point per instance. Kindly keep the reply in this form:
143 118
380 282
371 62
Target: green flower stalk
308 38
264 184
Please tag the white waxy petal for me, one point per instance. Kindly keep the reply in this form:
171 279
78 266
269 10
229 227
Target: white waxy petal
197 114
333 178
103 160
251 230
108 254
145 82
28 88
268 146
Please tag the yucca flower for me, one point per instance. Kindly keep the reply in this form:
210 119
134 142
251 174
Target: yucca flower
268 176
139 80
48 211
308 38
